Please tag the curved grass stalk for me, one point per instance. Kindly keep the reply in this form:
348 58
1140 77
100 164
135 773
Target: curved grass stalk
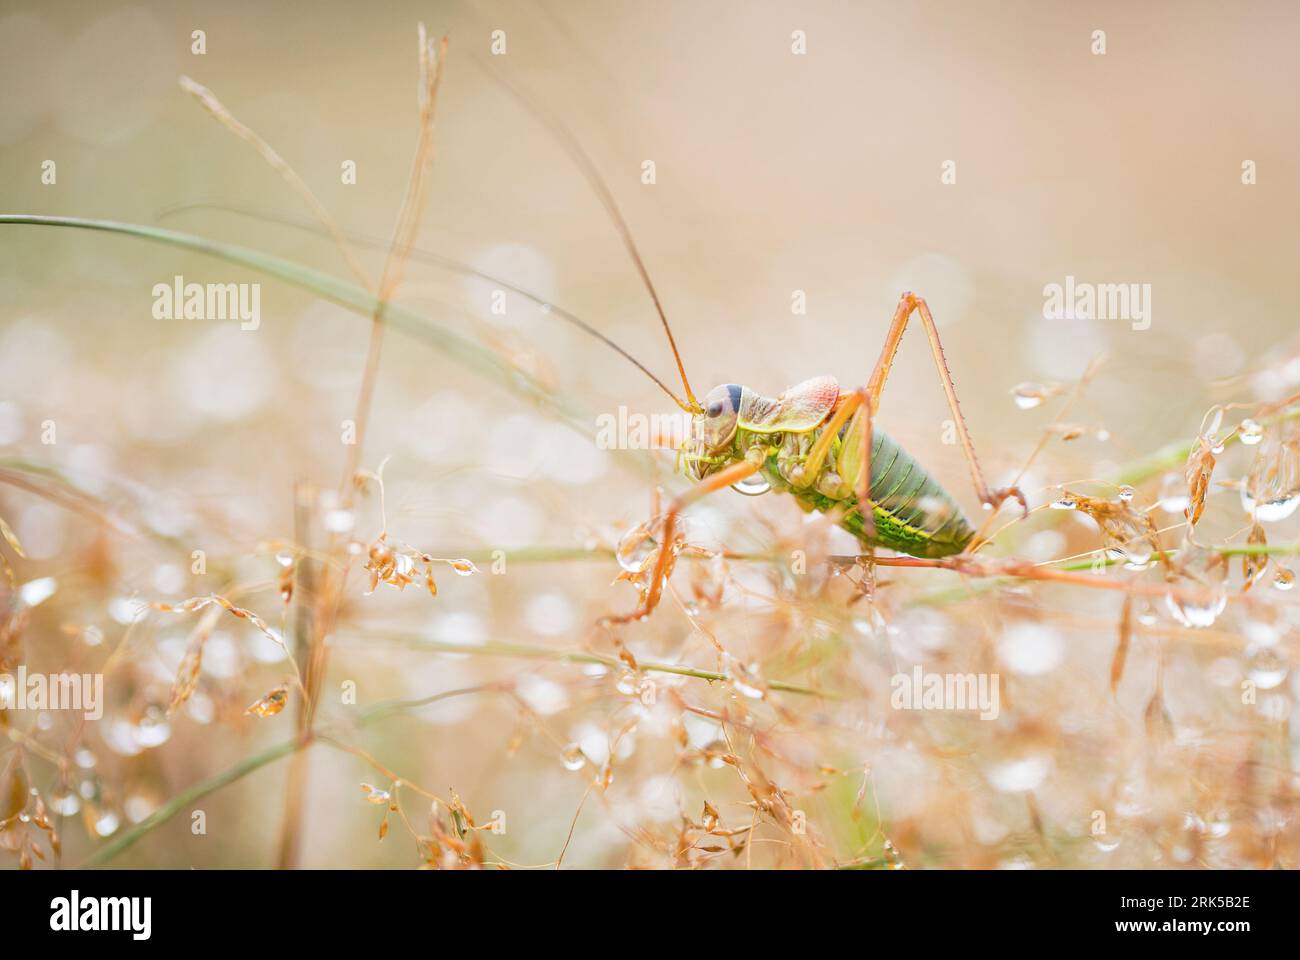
526 651
243 768
459 348
1172 456
188 796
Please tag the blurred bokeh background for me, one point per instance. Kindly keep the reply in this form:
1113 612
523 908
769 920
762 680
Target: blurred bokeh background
775 173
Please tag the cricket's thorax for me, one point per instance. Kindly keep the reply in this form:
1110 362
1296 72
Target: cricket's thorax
912 512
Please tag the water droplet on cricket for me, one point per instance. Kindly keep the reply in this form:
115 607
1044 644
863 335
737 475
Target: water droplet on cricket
284 558
1126 494
1067 502
1251 432
753 485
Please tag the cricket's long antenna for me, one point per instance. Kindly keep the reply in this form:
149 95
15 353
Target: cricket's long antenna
436 260
584 163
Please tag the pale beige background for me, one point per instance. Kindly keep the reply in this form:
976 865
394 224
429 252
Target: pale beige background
775 172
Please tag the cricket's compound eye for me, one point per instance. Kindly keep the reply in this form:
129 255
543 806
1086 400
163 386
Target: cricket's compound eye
720 409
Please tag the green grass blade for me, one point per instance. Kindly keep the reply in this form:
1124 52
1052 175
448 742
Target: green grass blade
460 349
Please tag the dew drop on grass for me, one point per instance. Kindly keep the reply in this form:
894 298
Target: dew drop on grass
106 823
1270 510
744 678
1266 666
1031 649
1067 502
626 683
152 729
1148 615
1135 552
139 806
1197 605
284 558
375 795
464 568
869 623
1019 774
1173 494
1283 579
573 757
1028 395
635 547
1220 825
64 802
35 592
270 704
1251 432
339 521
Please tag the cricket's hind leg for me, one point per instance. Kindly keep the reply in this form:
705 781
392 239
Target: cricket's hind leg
909 302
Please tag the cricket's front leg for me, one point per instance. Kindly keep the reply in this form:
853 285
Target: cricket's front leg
719 481
855 410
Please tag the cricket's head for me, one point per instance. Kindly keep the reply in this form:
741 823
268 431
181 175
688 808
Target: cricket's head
708 447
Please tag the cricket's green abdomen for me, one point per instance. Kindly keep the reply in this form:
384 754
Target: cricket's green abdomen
913 513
